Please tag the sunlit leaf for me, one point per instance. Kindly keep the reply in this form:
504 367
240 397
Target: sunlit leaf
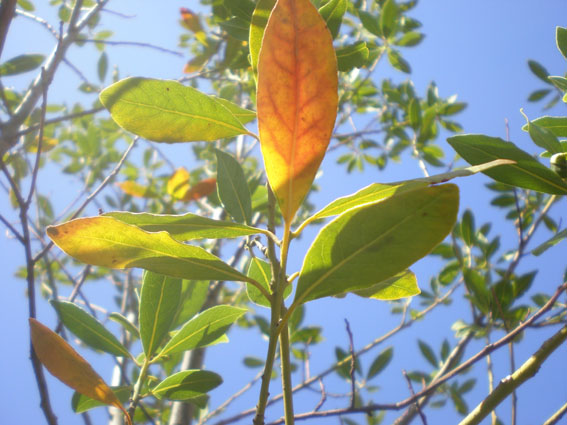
81 403
257 28
187 384
159 300
243 115
557 125
136 189
167 111
88 329
297 99
203 329
178 184
402 285
333 12
69 367
185 227
105 241
527 172
369 244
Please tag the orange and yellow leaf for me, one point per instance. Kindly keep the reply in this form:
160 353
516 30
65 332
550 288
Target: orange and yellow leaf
297 99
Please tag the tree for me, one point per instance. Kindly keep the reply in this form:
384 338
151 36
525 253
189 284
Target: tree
348 255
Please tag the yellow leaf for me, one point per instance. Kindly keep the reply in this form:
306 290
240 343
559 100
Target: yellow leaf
297 99
178 183
63 362
136 189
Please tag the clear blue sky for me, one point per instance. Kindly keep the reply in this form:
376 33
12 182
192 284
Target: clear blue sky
477 50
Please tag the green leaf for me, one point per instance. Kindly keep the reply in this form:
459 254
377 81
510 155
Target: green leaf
88 329
185 227
352 56
186 385
203 329
125 323
26 5
159 300
560 236
539 71
380 362
374 242
369 22
428 353
538 95
21 64
544 138
559 82
102 66
232 187
257 27
410 39
253 362
193 297
81 403
167 111
561 39
261 272
398 62
414 113
527 172
476 285
388 18
557 125
236 27
402 285
107 242
467 228
333 12
243 115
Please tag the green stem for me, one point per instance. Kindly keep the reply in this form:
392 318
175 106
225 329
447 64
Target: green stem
136 396
510 383
286 373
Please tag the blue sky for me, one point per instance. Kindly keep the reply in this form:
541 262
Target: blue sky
477 50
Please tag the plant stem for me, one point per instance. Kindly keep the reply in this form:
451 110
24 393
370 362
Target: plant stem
286 373
138 388
510 383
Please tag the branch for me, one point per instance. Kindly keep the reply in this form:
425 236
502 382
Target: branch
7 9
9 129
509 384
133 43
556 417
59 119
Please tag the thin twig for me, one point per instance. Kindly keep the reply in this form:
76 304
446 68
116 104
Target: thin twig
60 119
352 364
39 20
133 43
412 392
12 229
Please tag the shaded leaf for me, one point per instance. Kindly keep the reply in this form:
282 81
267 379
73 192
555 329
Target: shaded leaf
561 39
380 362
544 138
428 353
203 329
333 12
257 27
167 111
352 56
201 189
81 403
159 301
125 323
185 227
297 99
69 367
261 272
136 189
88 329
186 385
232 187
527 172
107 242
178 184
539 71
557 125
410 39
388 18
398 62
193 297
560 236
21 64
374 242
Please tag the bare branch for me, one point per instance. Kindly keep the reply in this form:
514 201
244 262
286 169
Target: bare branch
134 43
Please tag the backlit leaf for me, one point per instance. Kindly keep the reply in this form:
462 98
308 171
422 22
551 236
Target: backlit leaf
380 362
88 329
193 296
21 64
561 38
185 227
297 99
371 243
167 111
201 189
539 70
243 115
333 12
527 172
557 125
232 187
187 384
257 28
159 300
203 329
352 56
69 367
388 18
107 242
178 183
81 403
136 189
402 285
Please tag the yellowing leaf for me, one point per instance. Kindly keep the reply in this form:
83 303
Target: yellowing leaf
297 99
136 189
63 362
178 183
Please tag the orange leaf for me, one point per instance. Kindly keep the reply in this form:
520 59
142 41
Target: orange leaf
63 362
190 20
297 99
201 189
